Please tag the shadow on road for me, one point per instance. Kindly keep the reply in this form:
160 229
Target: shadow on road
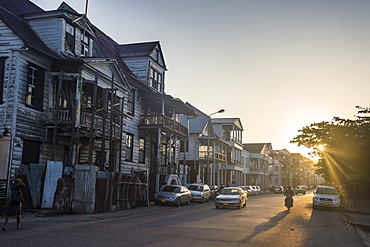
267 225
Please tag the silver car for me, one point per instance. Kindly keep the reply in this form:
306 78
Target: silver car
172 194
199 192
326 196
231 197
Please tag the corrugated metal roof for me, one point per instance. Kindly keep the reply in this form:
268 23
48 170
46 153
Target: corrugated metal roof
108 48
197 125
22 29
20 7
137 49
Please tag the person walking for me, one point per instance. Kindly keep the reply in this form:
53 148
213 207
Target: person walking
14 206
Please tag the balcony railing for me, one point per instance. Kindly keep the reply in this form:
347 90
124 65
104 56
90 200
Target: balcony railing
85 120
163 121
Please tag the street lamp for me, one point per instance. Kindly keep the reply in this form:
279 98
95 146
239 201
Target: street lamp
208 137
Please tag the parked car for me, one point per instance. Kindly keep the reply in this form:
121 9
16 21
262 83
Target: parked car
231 197
258 190
214 191
247 189
199 192
326 196
172 194
279 190
300 189
254 189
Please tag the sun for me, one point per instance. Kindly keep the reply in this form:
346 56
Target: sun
321 147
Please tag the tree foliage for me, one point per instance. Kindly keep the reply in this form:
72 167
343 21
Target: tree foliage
346 145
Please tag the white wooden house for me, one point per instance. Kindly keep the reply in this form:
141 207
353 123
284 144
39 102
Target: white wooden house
69 102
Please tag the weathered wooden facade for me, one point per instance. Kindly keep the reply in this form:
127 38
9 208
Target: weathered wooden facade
90 114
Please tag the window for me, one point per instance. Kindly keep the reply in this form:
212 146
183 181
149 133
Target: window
70 38
129 146
141 150
155 80
30 152
85 46
184 146
131 102
2 70
35 88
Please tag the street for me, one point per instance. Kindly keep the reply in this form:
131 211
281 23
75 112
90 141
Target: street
264 222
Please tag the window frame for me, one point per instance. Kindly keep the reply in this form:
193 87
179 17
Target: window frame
131 102
31 152
70 38
155 79
129 147
142 144
35 87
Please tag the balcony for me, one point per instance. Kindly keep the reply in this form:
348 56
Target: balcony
64 117
163 122
218 157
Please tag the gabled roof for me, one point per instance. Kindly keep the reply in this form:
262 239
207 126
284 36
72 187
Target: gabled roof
197 111
137 49
256 147
197 125
235 121
143 49
20 27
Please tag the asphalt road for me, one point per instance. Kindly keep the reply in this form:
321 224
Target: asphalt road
264 222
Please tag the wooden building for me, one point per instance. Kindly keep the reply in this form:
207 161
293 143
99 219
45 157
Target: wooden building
85 121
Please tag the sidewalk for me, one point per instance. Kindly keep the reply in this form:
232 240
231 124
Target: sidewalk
357 213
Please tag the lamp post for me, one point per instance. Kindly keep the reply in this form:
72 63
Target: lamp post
208 173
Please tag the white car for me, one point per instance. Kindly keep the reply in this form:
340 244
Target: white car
199 192
326 196
231 197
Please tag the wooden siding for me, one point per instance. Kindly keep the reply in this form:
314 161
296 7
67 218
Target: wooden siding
131 126
49 32
138 66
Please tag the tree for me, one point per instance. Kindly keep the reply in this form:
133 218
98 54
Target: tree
343 146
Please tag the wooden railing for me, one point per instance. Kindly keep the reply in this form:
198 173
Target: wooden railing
216 156
85 120
163 122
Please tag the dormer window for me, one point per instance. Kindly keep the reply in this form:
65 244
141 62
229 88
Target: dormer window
70 38
156 80
85 41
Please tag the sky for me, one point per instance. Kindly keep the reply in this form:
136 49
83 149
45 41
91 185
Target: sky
278 65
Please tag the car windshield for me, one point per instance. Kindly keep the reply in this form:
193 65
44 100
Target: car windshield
171 189
327 191
230 192
196 187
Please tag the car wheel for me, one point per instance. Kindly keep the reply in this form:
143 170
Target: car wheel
178 202
201 200
188 201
